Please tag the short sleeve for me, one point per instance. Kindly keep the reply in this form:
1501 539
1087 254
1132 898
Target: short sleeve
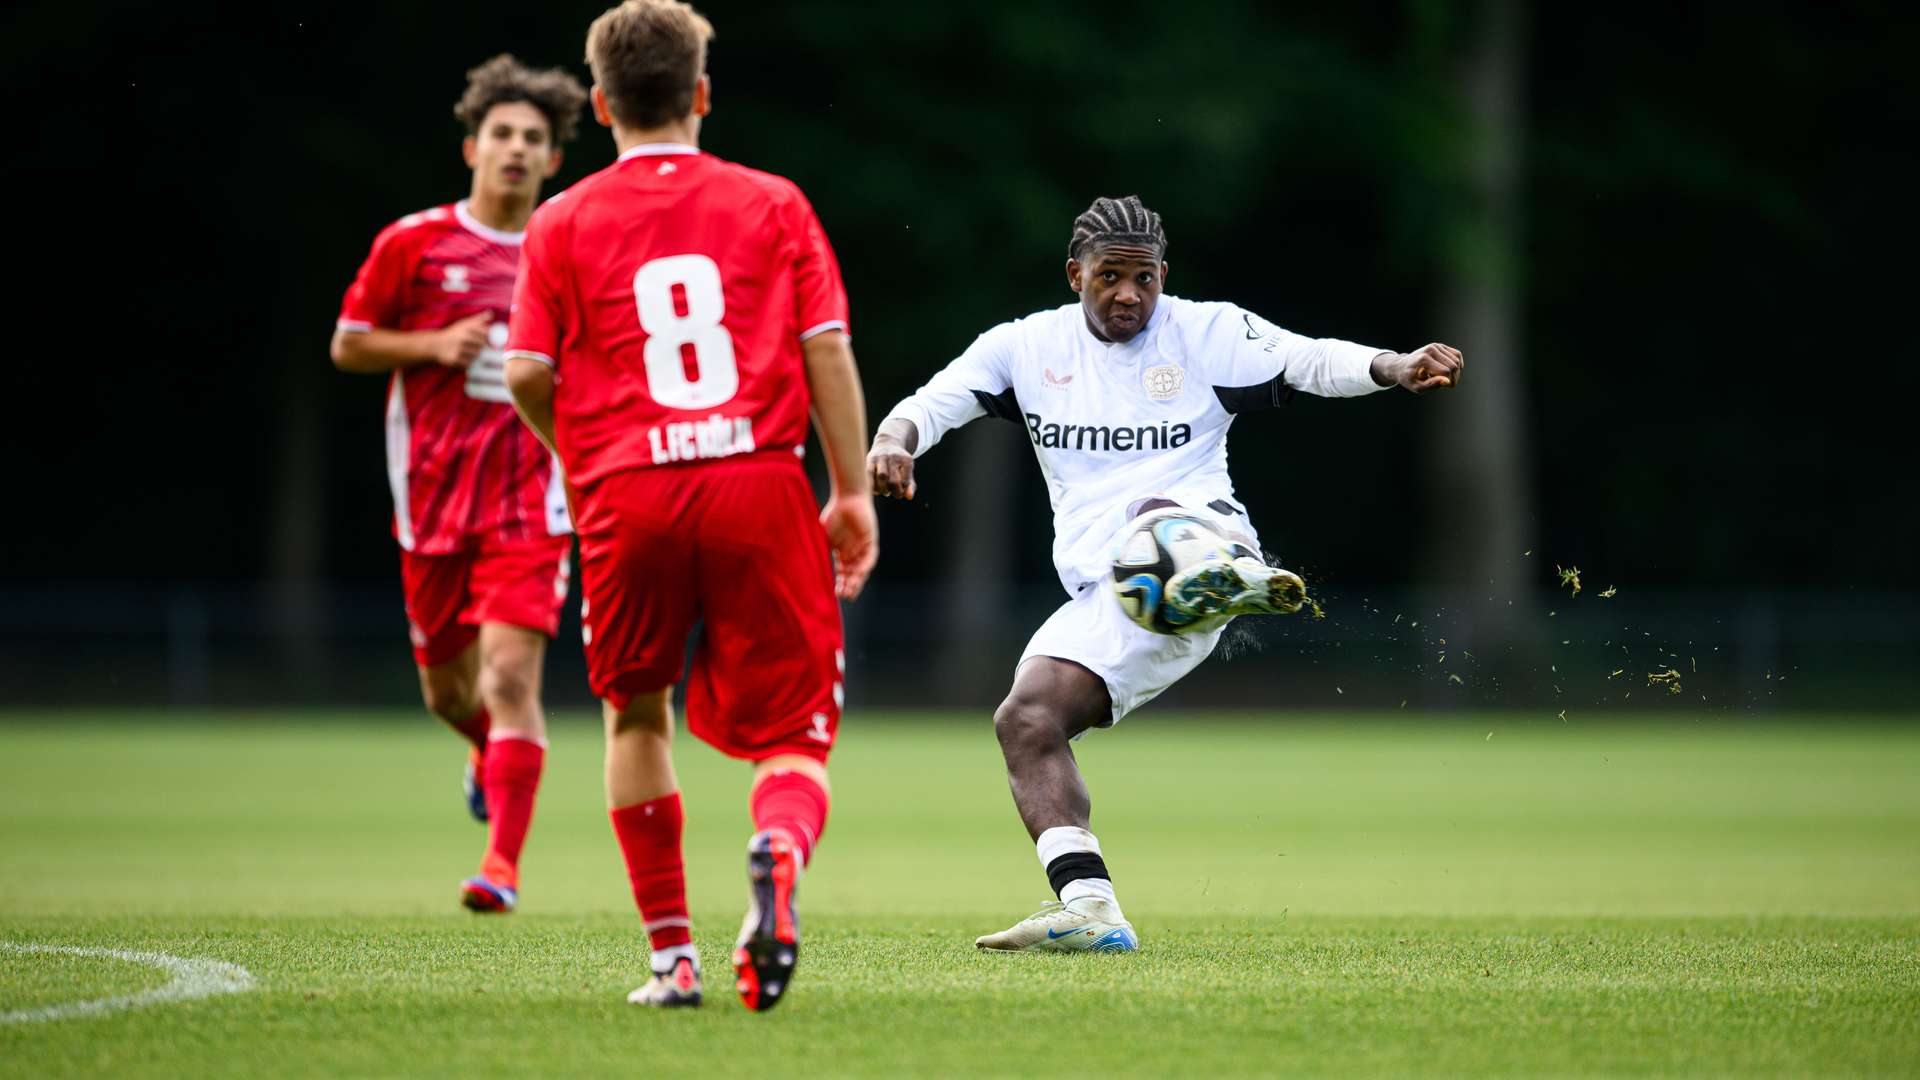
533 329
378 295
1263 361
819 296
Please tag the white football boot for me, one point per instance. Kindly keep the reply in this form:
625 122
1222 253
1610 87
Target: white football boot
1084 924
1238 586
677 987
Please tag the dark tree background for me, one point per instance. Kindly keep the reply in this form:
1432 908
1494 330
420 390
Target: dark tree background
1679 233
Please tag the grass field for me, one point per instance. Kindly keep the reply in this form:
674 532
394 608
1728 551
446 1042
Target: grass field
1481 896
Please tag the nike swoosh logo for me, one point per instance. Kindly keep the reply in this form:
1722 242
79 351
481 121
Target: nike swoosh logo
1051 935
1248 319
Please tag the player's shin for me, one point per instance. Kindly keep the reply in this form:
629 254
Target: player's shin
513 766
791 797
648 820
649 833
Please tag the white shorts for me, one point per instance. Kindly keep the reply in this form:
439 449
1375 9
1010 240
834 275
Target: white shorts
1137 665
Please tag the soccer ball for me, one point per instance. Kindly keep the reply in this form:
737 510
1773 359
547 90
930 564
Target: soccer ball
1149 553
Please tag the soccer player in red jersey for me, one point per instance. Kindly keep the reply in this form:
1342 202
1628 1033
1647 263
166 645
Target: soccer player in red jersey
677 318
479 506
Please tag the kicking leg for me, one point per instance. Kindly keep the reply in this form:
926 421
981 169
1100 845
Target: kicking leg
1051 702
510 660
1239 583
643 801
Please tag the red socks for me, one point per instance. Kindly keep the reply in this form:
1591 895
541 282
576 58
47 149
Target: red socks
650 832
794 803
474 729
649 835
512 777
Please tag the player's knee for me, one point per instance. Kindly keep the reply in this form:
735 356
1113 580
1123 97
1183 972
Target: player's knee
1026 725
449 699
645 714
506 683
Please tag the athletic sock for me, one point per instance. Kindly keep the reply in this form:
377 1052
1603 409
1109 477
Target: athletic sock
1089 886
474 729
512 779
662 960
649 835
1074 866
793 803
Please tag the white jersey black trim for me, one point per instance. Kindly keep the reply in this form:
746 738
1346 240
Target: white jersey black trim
1271 394
1111 423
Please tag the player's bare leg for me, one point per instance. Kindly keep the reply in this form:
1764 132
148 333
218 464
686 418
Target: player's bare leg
789 800
643 801
509 667
452 692
640 749
1052 701
511 662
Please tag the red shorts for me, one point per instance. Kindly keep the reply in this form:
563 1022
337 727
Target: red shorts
737 545
449 596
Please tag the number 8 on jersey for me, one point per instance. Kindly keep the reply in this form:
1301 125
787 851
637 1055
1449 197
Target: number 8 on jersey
697 279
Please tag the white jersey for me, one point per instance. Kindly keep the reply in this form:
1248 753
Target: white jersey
1115 423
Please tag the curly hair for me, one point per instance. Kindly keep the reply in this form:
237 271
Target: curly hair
504 80
1117 221
647 56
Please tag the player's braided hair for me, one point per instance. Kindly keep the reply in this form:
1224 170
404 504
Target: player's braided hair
1117 221
504 80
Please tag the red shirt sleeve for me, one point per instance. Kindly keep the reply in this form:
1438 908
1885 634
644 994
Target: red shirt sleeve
533 331
378 295
820 298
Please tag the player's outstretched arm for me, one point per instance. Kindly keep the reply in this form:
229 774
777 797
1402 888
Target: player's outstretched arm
375 350
890 464
1429 368
840 418
953 398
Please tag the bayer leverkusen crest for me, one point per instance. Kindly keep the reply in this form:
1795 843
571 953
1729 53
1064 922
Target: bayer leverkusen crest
1164 381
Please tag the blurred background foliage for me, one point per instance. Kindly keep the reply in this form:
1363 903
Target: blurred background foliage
1669 238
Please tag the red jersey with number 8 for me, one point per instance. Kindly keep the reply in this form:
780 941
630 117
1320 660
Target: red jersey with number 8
670 292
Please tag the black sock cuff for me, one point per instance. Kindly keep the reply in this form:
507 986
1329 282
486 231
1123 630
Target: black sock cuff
1073 866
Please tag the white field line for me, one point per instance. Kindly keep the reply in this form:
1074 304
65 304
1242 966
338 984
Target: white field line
191 979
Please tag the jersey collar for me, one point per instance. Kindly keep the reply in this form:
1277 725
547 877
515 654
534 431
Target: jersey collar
486 232
658 149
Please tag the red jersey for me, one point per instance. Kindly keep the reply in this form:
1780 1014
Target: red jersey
461 464
670 293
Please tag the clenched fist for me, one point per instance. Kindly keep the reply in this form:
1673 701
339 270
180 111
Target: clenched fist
1428 368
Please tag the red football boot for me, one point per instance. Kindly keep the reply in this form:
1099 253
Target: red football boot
769 944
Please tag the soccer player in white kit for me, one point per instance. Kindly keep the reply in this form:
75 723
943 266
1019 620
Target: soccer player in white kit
1126 396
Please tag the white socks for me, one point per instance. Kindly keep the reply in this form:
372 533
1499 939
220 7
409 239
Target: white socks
664 959
1074 865
1088 886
